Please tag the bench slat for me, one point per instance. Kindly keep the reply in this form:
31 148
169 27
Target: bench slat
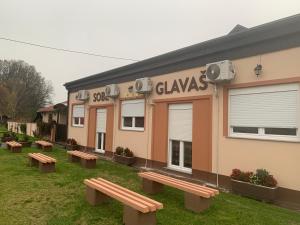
157 204
136 205
46 157
42 158
176 185
211 191
44 143
13 144
117 189
82 155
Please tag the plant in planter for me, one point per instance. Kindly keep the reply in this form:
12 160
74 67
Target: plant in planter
25 142
124 156
260 185
71 144
7 137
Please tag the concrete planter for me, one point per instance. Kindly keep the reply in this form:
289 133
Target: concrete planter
124 160
258 192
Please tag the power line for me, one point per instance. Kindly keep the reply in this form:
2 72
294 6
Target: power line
66 50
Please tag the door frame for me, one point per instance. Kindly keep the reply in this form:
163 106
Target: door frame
181 147
102 133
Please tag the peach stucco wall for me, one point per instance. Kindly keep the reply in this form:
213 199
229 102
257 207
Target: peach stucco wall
280 158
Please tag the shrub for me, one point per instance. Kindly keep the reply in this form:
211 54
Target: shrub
236 173
260 177
128 152
23 128
124 152
71 141
270 181
119 150
26 138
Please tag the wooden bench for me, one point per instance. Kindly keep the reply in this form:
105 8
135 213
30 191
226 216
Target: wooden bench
14 146
138 209
45 163
196 197
44 145
86 160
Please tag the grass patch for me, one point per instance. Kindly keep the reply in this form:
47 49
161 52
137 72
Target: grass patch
29 197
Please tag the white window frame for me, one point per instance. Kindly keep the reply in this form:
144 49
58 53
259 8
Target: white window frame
79 124
102 149
261 130
133 127
181 167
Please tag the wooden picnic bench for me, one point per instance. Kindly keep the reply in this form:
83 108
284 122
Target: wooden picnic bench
138 209
44 145
45 163
196 197
14 146
87 160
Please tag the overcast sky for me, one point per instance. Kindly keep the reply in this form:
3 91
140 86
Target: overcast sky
135 29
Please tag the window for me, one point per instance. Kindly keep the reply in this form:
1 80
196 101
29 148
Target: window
101 130
133 114
265 112
180 137
78 115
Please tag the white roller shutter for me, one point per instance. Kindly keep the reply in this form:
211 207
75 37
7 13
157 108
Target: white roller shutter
133 108
273 106
180 122
78 111
101 120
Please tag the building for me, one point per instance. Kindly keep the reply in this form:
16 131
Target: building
57 113
196 128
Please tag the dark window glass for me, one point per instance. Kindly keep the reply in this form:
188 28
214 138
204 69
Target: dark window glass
139 121
81 120
175 152
127 122
76 120
187 154
281 131
104 139
246 130
99 140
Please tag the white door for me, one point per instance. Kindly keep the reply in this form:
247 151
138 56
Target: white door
180 137
101 130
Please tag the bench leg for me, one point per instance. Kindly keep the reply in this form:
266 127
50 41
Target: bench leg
134 217
47 167
152 187
73 158
196 203
95 197
38 146
91 163
33 162
16 149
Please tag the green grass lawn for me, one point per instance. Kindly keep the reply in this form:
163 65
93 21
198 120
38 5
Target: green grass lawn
29 197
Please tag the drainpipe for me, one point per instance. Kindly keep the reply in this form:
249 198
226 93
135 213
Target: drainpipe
216 94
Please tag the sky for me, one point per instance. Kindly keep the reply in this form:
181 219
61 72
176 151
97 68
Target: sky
136 29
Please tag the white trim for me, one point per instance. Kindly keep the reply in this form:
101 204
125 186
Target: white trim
133 128
262 136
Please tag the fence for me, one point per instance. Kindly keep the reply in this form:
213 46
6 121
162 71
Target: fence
16 127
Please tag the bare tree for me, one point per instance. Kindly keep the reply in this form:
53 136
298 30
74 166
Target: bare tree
22 90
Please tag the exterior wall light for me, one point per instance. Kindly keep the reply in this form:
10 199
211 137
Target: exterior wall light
258 70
